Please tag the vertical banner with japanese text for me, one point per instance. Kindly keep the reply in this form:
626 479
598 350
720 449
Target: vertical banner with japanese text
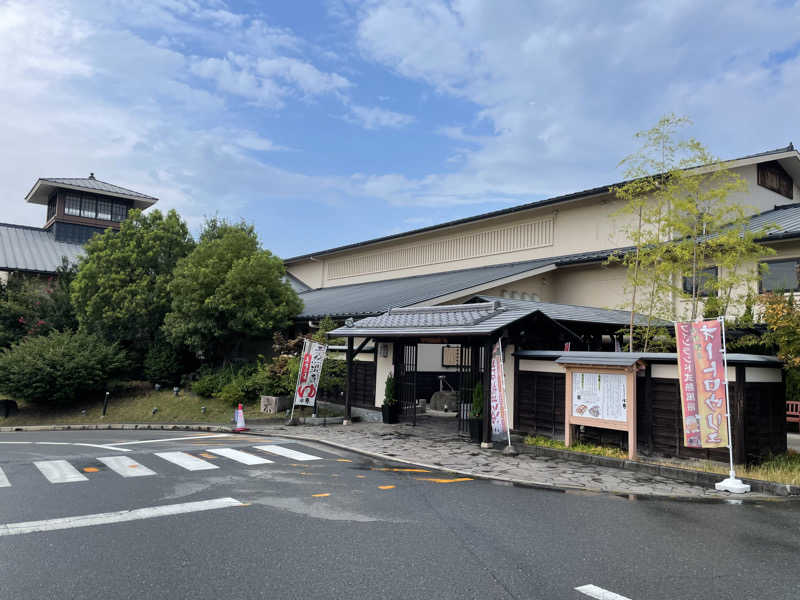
311 360
701 369
498 398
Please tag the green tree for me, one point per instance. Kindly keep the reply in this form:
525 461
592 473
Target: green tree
31 305
643 221
682 219
121 291
228 290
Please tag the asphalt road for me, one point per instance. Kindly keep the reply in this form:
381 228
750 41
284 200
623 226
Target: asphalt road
343 526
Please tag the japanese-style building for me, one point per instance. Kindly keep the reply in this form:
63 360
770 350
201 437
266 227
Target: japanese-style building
77 208
543 265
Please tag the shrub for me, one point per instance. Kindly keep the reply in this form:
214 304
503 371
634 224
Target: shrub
234 393
389 397
59 368
477 401
210 382
164 364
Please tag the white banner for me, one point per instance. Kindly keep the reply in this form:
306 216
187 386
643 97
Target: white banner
305 393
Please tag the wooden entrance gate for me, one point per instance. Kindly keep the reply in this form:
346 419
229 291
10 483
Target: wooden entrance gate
470 373
405 369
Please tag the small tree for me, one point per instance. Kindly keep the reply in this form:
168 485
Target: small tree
226 291
682 219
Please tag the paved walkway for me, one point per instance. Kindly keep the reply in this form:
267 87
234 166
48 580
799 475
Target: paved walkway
434 442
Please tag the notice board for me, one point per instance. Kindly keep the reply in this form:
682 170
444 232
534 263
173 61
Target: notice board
600 396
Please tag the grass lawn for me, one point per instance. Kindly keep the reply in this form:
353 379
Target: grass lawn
134 404
784 468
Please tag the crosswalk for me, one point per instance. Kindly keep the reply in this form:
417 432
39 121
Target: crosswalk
62 471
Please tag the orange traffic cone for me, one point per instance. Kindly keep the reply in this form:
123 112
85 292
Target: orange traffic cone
240 426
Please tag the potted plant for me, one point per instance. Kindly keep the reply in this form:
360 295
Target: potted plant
391 407
476 414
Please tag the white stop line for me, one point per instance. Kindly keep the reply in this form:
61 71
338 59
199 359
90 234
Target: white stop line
597 592
121 516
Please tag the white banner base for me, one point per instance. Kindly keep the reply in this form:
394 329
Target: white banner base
734 486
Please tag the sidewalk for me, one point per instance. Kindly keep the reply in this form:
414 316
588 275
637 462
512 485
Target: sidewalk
437 445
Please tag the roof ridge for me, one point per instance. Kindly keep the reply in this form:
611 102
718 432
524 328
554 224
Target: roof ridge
521 207
19 226
134 192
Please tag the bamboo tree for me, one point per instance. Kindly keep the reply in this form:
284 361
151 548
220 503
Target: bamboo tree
680 217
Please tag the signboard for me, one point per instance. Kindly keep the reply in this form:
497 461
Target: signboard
499 406
701 368
311 360
600 396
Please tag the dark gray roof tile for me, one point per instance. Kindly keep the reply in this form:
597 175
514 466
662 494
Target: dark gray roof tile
33 249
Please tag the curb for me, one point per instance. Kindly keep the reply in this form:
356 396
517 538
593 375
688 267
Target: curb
539 451
673 472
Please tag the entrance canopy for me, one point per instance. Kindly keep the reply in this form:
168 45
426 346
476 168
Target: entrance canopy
478 319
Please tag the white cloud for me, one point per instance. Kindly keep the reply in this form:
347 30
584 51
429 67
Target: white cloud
374 117
563 86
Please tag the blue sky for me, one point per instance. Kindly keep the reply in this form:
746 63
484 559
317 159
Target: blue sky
331 122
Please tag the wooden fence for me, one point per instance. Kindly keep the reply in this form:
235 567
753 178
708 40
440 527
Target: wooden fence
758 416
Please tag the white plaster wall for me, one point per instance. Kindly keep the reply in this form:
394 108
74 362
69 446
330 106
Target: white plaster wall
542 366
671 372
429 358
593 285
763 375
539 286
4 277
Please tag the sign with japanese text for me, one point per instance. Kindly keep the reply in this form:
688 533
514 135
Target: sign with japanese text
600 396
498 392
311 360
701 370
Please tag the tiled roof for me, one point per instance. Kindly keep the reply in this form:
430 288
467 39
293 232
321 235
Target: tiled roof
376 297
575 313
462 319
465 315
95 185
32 249
783 221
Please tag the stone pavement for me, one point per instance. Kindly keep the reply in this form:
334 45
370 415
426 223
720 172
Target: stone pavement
435 443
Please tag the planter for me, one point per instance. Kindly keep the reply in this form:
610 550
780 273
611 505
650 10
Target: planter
391 413
475 429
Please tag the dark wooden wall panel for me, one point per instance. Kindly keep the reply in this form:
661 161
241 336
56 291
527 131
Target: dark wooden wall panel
539 410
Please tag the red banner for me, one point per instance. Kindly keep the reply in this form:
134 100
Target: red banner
701 369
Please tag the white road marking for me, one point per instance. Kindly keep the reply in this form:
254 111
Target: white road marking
597 592
176 439
121 516
293 454
239 456
4 480
103 446
187 461
59 471
16 442
127 467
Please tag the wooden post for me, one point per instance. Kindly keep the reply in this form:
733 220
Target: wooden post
348 386
737 408
567 408
631 399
